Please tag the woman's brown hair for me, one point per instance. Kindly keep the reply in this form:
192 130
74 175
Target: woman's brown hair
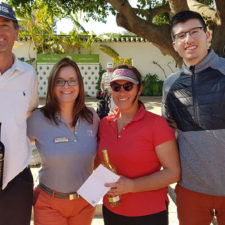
51 107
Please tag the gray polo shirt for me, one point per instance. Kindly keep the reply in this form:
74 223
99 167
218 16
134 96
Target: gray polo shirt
67 157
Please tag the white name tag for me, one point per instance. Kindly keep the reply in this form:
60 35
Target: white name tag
61 140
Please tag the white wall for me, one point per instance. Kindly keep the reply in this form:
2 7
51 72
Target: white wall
142 53
24 49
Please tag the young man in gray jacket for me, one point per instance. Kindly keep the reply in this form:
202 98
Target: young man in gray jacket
194 104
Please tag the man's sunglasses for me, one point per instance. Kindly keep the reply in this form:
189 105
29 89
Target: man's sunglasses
61 82
127 86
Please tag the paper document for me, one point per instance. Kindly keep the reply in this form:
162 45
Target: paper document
93 188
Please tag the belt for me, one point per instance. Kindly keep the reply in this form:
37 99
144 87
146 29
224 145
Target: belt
56 194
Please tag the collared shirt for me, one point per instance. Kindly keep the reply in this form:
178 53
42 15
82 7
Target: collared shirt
67 157
132 152
18 95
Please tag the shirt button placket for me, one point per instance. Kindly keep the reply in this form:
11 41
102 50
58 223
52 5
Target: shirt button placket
121 132
75 136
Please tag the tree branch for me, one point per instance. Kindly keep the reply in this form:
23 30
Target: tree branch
220 5
151 13
177 6
156 11
128 19
126 16
157 64
204 10
159 35
144 12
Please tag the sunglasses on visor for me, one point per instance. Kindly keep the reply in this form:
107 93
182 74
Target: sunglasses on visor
127 86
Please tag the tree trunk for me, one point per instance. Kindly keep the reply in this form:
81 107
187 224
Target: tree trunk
159 35
177 6
218 40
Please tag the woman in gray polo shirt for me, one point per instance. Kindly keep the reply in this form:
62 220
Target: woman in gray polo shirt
65 132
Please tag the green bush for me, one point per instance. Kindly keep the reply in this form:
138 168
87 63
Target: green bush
30 61
152 85
101 71
122 61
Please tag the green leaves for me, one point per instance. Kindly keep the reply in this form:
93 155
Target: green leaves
152 85
109 51
148 19
207 2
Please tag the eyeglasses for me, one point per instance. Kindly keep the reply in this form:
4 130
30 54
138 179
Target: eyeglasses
61 83
194 33
127 86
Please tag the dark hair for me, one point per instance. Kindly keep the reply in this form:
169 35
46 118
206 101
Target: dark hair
138 75
51 107
183 17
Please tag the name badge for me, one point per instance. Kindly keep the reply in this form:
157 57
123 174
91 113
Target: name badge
61 140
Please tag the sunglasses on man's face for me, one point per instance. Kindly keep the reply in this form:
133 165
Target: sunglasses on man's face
127 86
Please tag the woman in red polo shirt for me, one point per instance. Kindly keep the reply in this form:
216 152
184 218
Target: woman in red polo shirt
143 149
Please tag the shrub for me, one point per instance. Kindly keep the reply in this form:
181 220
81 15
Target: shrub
152 85
101 71
122 61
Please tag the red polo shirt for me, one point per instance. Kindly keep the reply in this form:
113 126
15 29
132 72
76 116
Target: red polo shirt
132 152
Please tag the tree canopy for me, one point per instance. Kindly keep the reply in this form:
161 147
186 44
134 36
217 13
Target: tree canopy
149 19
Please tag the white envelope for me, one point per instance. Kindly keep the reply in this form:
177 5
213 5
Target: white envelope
93 188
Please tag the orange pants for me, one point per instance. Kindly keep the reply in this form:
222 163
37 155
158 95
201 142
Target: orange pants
49 210
195 208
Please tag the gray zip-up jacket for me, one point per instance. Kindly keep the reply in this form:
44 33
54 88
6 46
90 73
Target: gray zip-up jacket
194 104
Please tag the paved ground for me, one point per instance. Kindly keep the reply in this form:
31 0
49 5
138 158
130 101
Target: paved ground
152 104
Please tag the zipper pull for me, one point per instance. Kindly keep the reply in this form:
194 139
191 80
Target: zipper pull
192 69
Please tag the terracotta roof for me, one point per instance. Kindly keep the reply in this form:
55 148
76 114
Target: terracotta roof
24 38
105 40
123 39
